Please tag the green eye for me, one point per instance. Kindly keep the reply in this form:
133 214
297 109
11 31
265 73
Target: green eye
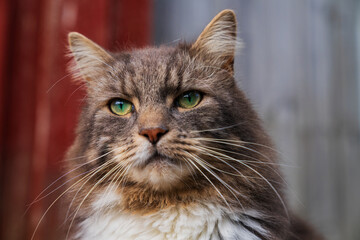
189 99
120 107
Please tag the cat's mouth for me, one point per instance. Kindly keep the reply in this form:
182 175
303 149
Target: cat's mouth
158 158
160 171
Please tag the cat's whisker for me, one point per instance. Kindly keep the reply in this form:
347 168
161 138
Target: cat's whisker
172 42
62 194
272 187
87 195
237 153
205 165
89 177
83 99
258 144
48 194
255 160
237 145
207 178
261 176
117 175
74 158
64 175
244 142
99 169
68 99
192 169
123 176
105 165
52 86
205 151
215 129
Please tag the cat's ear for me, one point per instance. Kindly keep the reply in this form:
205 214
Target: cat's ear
90 60
217 42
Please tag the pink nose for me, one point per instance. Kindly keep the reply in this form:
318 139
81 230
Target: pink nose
153 134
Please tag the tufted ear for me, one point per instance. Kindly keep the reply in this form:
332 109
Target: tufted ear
217 42
90 59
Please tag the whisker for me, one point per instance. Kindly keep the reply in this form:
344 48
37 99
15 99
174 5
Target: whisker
99 168
192 170
89 176
228 151
216 129
204 164
260 175
64 175
87 195
204 150
206 177
117 176
58 82
251 143
68 99
257 161
74 158
52 204
123 175
236 145
64 183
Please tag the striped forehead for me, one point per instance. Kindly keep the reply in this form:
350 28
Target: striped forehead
151 74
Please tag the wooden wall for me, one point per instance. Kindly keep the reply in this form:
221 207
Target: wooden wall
39 104
300 67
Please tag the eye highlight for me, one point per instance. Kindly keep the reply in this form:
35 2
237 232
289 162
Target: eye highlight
189 99
120 106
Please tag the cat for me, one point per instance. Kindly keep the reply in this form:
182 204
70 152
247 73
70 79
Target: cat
168 147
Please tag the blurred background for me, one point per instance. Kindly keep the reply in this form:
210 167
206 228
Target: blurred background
300 67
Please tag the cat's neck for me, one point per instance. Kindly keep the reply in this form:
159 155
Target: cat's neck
198 220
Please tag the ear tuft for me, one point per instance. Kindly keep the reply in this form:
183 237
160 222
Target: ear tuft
217 42
90 59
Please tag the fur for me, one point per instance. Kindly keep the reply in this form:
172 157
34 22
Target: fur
197 221
212 173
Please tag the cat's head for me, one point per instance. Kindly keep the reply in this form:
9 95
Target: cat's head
160 117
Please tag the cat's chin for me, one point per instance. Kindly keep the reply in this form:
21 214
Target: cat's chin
158 160
160 173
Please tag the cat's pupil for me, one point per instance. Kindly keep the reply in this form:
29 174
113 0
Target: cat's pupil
188 97
120 105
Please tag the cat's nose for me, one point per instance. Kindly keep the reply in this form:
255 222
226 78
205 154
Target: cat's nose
153 134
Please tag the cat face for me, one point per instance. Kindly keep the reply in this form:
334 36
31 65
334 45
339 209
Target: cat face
153 116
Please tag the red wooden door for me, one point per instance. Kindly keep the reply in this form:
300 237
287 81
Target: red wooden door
39 103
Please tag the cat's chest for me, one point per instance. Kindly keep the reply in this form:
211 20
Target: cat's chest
198 221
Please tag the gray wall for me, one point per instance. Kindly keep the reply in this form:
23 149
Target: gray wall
300 67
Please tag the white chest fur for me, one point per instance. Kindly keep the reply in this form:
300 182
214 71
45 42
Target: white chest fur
200 221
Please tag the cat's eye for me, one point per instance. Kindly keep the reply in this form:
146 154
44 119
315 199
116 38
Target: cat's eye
189 99
120 106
